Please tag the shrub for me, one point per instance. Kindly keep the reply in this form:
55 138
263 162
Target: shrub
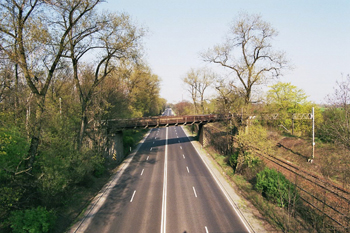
99 167
128 141
256 137
275 187
13 151
35 220
248 163
233 160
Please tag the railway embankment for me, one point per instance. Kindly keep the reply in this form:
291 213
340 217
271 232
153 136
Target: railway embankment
323 186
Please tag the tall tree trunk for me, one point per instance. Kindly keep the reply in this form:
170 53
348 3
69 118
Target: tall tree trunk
83 123
35 130
202 102
16 92
247 95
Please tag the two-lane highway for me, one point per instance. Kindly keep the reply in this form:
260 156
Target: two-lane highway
166 188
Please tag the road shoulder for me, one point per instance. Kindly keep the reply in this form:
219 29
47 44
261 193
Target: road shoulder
86 217
243 207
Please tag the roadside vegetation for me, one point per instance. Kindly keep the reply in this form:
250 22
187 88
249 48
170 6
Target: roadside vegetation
288 202
266 147
65 67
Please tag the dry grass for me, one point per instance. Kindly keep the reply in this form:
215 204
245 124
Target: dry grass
331 162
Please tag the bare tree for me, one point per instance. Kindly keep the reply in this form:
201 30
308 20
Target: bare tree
230 97
248 53
111 36
337 115
197 82
37 45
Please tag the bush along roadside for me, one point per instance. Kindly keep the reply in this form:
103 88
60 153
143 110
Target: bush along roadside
131 138
32 220
276 198
62 184
276 188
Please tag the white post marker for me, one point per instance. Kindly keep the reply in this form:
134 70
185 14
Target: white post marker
313 133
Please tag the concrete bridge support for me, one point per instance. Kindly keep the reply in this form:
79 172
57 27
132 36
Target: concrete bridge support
201 135
115 148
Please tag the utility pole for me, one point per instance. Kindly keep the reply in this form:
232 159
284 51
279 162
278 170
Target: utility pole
313 135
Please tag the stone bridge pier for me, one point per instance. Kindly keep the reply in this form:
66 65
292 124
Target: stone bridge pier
199 130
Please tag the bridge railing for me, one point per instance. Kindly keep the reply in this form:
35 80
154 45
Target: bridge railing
161 121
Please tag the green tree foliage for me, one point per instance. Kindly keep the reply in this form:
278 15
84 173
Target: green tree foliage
245 161
13 149
286 99
254 136
13 155
132 91
35 220
275 187
285 96
66 67
36 46
144 92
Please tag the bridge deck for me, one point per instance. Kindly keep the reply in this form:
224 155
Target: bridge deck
161 121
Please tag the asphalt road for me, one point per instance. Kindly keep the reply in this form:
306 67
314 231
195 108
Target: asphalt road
166 188
168 112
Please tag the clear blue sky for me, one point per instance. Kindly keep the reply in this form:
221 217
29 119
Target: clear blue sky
315 34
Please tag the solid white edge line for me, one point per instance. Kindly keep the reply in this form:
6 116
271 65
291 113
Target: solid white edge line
132 196
163 221
206 229
101 197
222 189
194 190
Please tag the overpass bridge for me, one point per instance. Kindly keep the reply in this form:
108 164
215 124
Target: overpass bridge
114 125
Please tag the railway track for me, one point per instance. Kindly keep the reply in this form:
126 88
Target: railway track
328 199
